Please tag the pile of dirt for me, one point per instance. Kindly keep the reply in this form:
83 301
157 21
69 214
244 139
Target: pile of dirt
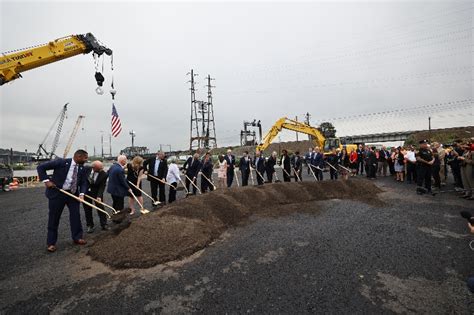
188 225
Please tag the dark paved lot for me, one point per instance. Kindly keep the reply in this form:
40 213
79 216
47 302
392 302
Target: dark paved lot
347 257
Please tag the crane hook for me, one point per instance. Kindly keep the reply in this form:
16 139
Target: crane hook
100 80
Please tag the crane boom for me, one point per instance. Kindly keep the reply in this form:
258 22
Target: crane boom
13 64
58 131
73 135
41 148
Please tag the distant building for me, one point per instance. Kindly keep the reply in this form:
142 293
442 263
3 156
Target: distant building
133 151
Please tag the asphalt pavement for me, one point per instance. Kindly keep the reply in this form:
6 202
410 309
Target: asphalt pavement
410 256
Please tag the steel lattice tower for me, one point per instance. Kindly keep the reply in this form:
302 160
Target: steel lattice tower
202 127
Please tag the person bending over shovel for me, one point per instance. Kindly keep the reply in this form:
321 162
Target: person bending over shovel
68 175
118 187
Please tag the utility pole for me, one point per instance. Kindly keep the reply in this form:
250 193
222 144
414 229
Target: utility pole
429 126
102 143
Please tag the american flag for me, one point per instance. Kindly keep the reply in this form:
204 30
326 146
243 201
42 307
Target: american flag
116 124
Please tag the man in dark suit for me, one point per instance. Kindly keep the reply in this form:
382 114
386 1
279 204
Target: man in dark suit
244 167
97 179
259 165
360 159
158 167
297 163
69 175
270 166
230 159
118 186
286 165
206 169
318 163
192 166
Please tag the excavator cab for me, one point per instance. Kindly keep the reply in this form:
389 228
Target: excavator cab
331 143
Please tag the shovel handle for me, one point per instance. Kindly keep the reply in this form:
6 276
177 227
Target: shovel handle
296 173
102 203
138 201
236 178
84 202
312 172
344 167
161 181
192 182
210 181
181 181
143 192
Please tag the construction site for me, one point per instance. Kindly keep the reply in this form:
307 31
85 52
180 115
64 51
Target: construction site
328 177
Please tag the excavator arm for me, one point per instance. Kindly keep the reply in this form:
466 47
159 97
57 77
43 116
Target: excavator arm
285 123
13 64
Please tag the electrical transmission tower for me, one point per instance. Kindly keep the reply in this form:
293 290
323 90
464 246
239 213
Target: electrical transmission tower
202 128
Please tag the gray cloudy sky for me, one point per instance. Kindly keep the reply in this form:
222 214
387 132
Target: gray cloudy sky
331 59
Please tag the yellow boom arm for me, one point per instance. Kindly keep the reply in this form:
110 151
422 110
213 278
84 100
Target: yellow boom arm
13 64
285 123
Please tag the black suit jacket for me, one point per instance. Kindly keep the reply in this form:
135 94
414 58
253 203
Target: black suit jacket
297 162
97 187
61 169
286 164
260 165
230 163
192 167
149 166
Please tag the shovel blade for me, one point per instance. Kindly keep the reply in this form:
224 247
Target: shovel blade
119 216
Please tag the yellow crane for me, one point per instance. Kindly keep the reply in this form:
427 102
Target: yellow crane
13 64
326 144
73 135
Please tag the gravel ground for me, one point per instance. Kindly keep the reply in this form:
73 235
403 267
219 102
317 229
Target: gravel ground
411 255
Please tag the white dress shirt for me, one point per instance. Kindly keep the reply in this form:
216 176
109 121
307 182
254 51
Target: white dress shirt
173 175
68 180
410 156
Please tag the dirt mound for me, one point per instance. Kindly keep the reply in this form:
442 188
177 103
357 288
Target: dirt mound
189 225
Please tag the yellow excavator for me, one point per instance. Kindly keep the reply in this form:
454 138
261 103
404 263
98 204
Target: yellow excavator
12 64
326 144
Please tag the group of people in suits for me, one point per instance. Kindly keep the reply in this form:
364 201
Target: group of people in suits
72 182
292 167
315 162
124 179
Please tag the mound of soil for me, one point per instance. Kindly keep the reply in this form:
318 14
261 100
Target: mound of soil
188 225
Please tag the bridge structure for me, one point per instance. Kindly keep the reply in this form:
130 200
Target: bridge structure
398 135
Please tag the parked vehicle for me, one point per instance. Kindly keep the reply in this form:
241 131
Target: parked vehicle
6 177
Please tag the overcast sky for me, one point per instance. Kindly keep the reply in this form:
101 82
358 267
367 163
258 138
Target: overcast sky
331 59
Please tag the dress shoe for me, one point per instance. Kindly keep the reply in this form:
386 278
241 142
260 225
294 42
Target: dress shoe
90 229
52 248
105 227
80 242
